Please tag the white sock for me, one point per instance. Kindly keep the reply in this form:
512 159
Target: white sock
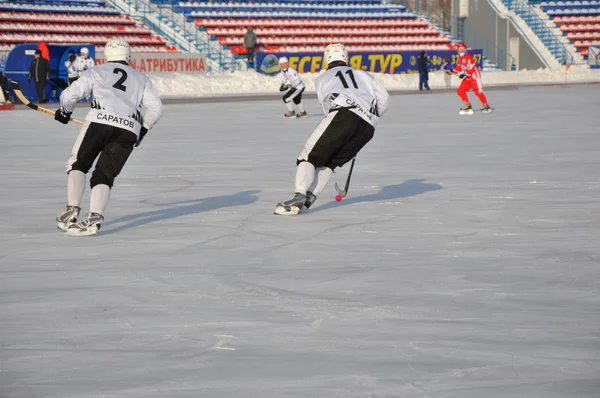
99 199
305 174
290 106
322 177
300 107
75 187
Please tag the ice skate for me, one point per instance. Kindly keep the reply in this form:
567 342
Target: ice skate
466 110
310 199
486 109
88 226
302 114
290 114
67 217
292 206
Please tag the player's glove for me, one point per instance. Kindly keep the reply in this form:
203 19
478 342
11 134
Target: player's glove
449 72
284 87
143 132
62 116
462 76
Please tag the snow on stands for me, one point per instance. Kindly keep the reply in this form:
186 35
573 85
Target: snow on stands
189 86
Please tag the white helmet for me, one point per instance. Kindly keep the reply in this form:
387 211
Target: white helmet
283 60
84 50
117 50
336 52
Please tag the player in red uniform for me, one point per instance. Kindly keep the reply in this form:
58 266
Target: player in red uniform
470 73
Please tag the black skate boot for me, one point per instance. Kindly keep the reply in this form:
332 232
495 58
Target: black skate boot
292 206
302 114
88 226
466 110
290 114
486 109
67 217
310 199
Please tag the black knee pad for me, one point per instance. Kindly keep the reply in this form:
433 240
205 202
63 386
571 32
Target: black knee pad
297 100
100 177
77 167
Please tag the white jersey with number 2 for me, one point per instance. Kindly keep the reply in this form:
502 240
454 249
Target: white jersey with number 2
357 90
119 92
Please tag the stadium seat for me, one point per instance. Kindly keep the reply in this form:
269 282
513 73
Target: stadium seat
73 22
309 25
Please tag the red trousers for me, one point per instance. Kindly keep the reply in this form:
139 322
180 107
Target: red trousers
471 83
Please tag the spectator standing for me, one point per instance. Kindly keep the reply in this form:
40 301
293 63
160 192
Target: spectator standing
422 63
250 44
40 73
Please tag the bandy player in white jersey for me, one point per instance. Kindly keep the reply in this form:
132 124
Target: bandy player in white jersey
112 128
353 102
292 83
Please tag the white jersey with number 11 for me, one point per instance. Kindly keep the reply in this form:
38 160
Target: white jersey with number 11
357 90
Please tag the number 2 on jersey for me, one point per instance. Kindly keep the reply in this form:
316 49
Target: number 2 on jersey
119 84
349 73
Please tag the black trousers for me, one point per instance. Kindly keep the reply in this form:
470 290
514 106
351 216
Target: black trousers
250 53
113 144
40 89
293 95
337 139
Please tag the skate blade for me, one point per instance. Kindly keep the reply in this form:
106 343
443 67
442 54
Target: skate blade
82 232
64 226
302 117
486 111
286 211
466 112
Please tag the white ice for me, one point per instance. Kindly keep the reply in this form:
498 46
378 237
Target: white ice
465 261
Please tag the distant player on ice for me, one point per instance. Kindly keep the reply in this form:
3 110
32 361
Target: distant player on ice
470 73
293 85
353 102
113 127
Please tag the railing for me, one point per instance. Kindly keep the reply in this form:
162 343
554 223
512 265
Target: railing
498 56
458 30
173 25
523 9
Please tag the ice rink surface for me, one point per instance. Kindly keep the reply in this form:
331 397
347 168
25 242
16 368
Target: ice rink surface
465 261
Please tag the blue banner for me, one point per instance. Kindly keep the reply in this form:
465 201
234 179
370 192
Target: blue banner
19 60
375 62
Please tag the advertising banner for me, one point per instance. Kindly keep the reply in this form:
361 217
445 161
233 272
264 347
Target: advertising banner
164 63
375 62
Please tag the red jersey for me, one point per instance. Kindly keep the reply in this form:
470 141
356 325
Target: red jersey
466 64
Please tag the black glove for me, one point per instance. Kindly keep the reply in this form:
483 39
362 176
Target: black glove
62 116
143 132
72 58
449 72
462 76
284 87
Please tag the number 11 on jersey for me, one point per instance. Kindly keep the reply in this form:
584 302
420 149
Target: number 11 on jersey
349 73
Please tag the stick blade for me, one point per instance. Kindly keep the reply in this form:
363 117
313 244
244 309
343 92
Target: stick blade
340 191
